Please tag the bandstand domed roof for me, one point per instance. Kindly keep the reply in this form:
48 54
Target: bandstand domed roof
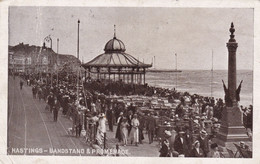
114 45
115 56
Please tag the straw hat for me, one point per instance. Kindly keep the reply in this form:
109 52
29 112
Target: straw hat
214 119
203 117
203 132
185 117
195 143
196 121
168 133
181 132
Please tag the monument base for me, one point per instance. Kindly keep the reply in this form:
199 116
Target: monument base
231 129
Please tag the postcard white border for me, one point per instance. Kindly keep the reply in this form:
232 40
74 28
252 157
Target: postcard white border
4 4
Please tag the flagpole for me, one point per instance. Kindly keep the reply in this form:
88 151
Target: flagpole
176 73
211 73
57 61
78 59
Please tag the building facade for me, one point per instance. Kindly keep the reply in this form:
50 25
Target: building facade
35 59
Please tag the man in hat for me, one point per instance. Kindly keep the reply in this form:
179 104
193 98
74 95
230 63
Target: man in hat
165 145
78 123
129 119
65 104
50 101
188 137
21 84
151 125
204 142
141 127
98 106
132 108
56 108
180 144
180 110
110 116
34 91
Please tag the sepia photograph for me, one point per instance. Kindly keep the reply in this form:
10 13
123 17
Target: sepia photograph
130 81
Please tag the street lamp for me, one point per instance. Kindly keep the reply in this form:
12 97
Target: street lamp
48 39
57 61
83 131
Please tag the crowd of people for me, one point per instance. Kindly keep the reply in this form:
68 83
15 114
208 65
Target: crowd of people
186 130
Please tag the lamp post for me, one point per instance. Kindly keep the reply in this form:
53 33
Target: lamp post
83 131
176 68
57 61
47 39
78 59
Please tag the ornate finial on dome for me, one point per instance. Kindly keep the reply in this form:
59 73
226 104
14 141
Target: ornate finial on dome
232 30
114 31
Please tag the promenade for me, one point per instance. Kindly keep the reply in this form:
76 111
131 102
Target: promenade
32 131
31 126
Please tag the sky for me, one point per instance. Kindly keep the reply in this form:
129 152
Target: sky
194 34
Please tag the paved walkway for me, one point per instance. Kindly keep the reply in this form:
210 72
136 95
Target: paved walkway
32 131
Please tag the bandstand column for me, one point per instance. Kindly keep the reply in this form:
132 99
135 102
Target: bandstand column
89 72
132 76
98 74
144 76
137 76
119 74
85 75
140 82
109 74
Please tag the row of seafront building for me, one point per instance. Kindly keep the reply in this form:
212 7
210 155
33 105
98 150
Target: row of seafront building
25 58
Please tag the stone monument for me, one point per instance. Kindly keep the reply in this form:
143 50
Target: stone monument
232 129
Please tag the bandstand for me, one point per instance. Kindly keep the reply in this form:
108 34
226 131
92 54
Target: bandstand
116 65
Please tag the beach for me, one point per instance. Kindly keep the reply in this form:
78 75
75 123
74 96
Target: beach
200 82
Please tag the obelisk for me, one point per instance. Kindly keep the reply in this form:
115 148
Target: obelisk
232 129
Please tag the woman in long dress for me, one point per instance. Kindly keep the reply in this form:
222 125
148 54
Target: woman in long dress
124 130
118 130
134 133
101 129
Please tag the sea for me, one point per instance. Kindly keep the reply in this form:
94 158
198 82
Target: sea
203 82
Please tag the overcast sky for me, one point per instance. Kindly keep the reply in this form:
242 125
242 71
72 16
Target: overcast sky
192 33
